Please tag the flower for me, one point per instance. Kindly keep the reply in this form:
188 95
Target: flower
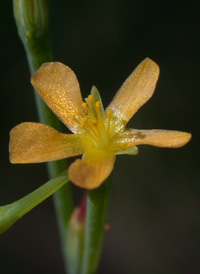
98 134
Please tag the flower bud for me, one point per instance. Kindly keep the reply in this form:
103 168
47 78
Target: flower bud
75 236
32 19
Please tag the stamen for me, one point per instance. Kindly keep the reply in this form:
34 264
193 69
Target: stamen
98 104
91 98
96 127
90 105
90 129
84 105
84 120
101 125
109 112
99 115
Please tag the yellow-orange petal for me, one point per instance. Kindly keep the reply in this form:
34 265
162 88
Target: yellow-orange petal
90 173
35 143
136 90
154 137
59 88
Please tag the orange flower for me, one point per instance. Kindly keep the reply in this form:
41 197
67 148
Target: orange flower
98 134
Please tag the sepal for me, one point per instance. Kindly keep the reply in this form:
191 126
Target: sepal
129 151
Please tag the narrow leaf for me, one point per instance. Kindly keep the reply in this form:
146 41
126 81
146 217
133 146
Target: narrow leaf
9 214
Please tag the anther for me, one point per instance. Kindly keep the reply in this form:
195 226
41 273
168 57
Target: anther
98 104
109 112
84 105
91 97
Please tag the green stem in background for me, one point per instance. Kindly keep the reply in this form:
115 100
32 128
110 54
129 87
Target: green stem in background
32 19
97 207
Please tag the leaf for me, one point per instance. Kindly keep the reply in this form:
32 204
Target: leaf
9 214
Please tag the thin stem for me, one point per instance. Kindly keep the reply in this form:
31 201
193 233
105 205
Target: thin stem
32 19
97 207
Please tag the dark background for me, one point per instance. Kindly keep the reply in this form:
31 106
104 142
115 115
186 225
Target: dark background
154 206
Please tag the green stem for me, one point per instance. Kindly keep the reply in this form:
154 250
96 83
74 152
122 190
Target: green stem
32 19
97 207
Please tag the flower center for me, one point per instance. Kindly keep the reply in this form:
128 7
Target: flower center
96 123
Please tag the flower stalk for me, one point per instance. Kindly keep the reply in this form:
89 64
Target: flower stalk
97 207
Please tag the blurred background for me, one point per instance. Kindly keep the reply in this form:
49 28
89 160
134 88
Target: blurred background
154 205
